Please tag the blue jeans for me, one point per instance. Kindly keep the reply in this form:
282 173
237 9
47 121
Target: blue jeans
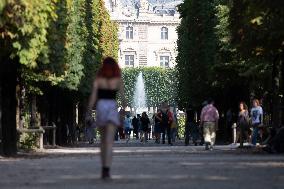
127 131
254 134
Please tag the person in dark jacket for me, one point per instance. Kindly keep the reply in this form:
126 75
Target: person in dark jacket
157 127
135 124
144 126
191 127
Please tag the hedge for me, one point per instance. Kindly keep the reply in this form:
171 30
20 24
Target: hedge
160 84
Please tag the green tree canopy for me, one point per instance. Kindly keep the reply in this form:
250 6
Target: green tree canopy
61 42
196 50
258 33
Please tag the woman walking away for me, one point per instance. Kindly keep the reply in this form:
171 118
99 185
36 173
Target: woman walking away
256 119
105 87
243 123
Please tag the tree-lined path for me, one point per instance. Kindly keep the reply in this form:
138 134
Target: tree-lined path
138 166
50 51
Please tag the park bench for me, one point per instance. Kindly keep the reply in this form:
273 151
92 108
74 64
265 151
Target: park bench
40 130
53 129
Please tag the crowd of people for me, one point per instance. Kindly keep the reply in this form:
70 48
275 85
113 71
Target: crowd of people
249 125
113 124
161 126
201 130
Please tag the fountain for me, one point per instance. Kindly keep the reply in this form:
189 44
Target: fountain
139 100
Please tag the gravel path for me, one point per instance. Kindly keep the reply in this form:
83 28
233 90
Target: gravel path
144 166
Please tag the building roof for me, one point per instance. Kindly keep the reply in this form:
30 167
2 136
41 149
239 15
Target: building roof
150 11
167 7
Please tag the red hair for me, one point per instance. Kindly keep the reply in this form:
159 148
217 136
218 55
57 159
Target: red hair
109 68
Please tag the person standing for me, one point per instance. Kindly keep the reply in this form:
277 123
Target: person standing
135 127
209 121
120 129
191 127
90 133
167 119
243 123
173 126
256 119
229 123
127 127
144 125
164 125
149 130
140 129
157 126
107 84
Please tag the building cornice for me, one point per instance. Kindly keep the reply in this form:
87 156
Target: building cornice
173 22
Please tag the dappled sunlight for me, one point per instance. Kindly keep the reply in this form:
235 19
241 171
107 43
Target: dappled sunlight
264 164
117 177
169 177
141 150
73 151
235 165
9 160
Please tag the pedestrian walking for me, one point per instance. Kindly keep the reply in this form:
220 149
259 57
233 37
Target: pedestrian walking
191 127
243 124
149 130
209 121
135 126
256 120
90 133
120 128
173 126
140 127
228 124
167 119
127 127
205 103
78 133
107 84
145 122
157 125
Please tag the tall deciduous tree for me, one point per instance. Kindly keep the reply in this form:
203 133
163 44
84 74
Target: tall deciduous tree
196 50
50 42
258 33
23 36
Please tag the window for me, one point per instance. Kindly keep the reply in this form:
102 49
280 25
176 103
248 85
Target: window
129 32
129 60
164 33
164 61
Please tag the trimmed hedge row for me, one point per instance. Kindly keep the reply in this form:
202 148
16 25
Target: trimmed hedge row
160 84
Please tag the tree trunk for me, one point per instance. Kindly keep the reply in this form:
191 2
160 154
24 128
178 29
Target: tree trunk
8 77
1 138
276 77
282 90
33 112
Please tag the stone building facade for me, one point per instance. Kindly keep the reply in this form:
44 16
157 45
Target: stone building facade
147 31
